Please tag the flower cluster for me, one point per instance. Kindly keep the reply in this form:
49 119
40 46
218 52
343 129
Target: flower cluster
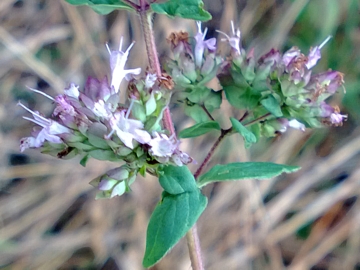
94 123
281 87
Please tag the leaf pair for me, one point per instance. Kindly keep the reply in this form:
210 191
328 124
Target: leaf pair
188 9
180 207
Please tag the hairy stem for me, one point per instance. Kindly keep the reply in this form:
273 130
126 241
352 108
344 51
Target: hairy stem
146 23
193 243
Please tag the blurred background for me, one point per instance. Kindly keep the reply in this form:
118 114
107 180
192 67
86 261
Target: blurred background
48 216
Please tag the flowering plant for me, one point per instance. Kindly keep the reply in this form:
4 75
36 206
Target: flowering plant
273 92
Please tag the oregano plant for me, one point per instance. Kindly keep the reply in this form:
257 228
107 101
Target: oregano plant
273 92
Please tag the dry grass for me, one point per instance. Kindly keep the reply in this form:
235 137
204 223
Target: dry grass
48 216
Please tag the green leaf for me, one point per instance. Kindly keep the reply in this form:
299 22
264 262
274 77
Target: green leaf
241 98
244 170
248 136
104 155
187 9
272 105
170 221
84 160
196 112
213 102
98 142
199 129
199 94
101 6
176 180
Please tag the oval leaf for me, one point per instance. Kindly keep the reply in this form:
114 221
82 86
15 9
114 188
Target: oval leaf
244 170
101 6
187 9
176 180
248 136
170 221
272 105
199 129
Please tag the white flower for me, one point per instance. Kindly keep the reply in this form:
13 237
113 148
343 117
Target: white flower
128 129
102 109
296 125
150 80
117 64
162 145
72 91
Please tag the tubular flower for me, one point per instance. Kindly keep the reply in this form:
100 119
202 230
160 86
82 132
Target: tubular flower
234 40
117 64
50 130
202 44
128 129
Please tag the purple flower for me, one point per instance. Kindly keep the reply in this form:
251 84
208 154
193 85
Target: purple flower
233 40
315 55
50 130
117 64
202 44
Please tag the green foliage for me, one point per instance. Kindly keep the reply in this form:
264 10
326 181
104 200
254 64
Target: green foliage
244 170
199 129
180 207
272 105
187 9
176 180
196 112
101 6
248 136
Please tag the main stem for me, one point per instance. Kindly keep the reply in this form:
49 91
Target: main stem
192 235
146 17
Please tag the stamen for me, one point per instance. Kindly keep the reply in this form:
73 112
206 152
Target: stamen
120 45
108 48
324 42
129 48
129 109
41 93
33 113
107 137
221 32
205 32
35 121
